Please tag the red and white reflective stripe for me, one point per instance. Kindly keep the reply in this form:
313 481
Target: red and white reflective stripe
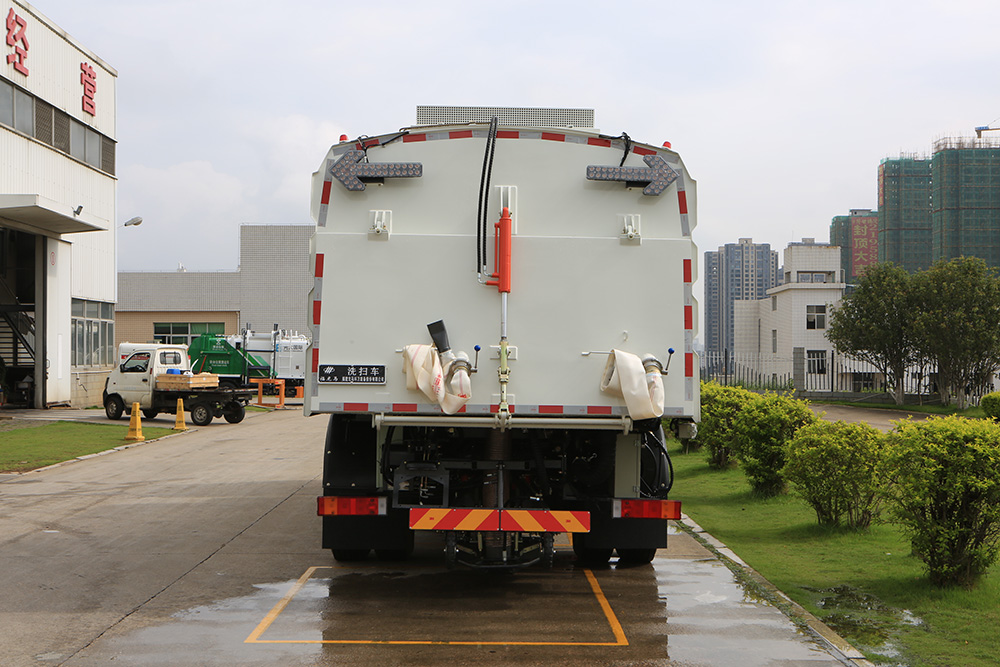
441 518
544 521
510 521
324 198
414 137
646 509
688 277
351 506
474 409
319 264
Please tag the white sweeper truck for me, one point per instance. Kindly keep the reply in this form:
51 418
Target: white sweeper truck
502 334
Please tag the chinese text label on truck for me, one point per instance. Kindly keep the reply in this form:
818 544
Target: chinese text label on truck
502 323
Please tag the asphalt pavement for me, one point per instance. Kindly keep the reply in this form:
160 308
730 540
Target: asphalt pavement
203 548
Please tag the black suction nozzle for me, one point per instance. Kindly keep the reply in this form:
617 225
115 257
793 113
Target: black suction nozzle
439 335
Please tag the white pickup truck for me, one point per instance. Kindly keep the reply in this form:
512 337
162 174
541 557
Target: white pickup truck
135 381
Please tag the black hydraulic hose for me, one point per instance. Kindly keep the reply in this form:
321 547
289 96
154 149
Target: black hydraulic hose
484 195
386 464
659 454
628 147
627 140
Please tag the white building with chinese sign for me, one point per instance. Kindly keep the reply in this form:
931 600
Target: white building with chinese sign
57 214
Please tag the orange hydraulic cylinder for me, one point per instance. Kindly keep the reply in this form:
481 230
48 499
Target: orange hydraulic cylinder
504 230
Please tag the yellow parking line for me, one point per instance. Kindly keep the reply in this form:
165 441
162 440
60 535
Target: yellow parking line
254 638
278 608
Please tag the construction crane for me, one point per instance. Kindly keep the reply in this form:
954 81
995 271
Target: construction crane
984 128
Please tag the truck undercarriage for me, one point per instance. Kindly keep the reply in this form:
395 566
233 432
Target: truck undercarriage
498 497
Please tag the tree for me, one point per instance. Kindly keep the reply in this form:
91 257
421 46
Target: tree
957 324
761 430
944 488
719 407
875 323
834 466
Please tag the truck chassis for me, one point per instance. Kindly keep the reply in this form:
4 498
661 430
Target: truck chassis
464 470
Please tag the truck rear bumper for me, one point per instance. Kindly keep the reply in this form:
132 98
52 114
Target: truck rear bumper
495 520
390 532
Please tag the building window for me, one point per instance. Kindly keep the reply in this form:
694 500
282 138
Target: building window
25 113
816 362
774 303
815 317
93 327
774 341
184 333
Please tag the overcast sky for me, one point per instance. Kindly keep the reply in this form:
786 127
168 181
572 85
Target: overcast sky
780 110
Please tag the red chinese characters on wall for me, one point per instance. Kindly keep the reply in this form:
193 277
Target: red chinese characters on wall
864 243
89 80
16 28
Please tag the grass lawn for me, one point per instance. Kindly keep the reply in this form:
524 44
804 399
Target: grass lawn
866 585
29 446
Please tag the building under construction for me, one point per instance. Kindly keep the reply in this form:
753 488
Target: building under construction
941 208
965 199
904 212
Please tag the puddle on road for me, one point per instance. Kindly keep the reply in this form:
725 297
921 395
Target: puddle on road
864 620
681 610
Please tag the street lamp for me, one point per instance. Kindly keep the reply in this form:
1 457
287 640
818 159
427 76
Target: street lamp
134 222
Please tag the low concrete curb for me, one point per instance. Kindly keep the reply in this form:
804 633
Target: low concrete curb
795 611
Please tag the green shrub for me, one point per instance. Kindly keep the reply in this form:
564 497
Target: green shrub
719 407
945 492
833 467
760 432
990 404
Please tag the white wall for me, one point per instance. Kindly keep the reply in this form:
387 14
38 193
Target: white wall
58 255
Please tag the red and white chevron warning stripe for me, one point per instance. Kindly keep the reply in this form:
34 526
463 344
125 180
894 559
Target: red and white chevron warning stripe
545 521
454 519
512 521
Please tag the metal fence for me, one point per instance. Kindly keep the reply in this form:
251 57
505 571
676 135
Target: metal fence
753 371
811 371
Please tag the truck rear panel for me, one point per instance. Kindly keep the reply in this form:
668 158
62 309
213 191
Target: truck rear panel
402 253
555 260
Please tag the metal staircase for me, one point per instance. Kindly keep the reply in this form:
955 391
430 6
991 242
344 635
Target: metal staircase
17 336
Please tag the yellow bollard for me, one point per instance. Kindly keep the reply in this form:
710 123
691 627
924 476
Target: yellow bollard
135 425
179 424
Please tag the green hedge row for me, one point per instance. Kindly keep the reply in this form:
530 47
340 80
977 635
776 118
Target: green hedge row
939 478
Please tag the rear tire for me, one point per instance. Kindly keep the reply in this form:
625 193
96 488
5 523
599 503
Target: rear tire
114 407
393 554
636 556
234 412
150 414
590 556
201 414
350 555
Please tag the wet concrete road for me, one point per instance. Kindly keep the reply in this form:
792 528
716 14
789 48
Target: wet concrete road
203 549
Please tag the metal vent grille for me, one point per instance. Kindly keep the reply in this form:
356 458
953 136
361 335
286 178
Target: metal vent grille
523 116
61 132
107 155
43 121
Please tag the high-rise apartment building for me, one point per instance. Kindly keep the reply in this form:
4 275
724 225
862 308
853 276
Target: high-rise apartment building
904 214
965 199
735 272
857 236
944 207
